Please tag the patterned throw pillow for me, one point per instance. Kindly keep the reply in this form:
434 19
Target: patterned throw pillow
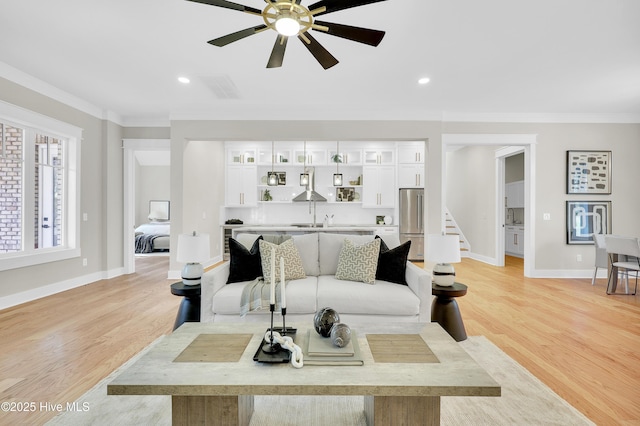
392 263
358 263
293 269
244 265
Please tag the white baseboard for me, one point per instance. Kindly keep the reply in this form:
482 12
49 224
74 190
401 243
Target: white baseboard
48 290
482 258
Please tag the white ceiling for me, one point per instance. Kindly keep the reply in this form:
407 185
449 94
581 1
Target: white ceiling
485 58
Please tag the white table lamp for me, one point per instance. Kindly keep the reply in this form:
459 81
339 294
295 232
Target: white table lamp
193 249
443 250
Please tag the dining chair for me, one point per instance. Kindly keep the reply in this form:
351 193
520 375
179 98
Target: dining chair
627 260
602 261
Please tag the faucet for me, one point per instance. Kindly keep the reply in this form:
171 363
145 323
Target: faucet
510 216
313 224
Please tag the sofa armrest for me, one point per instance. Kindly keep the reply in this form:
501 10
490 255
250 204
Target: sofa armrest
212 281
419 282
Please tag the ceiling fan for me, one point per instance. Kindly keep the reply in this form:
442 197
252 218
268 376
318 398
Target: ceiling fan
289 18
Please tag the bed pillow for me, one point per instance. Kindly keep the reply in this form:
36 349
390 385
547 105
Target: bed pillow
293 269
358 262
392 263
244 265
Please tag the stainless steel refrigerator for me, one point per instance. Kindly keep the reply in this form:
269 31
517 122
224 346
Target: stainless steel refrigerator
412 221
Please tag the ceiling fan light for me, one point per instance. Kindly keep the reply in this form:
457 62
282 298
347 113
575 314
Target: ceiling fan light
287 26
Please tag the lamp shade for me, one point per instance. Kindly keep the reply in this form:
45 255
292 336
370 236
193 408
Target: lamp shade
443 248
193 248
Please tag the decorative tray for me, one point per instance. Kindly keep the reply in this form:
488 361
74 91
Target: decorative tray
279 356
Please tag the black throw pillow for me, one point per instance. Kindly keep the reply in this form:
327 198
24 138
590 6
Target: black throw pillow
392 264
244 265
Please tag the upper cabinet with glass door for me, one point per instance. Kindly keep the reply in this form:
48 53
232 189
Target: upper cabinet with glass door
281 154
312 155
349 156
241 154
378 156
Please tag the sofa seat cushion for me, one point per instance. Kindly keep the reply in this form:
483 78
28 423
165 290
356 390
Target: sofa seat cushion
351 297
301 297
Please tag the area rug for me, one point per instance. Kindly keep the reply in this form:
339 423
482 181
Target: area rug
525 400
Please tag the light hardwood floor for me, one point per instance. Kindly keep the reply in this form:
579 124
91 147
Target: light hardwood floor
582 343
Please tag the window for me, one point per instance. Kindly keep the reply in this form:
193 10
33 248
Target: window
38 180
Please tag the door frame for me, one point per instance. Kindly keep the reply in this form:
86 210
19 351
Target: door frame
130 146
508 143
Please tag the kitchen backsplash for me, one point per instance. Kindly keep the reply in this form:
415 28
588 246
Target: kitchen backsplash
279 214
514 216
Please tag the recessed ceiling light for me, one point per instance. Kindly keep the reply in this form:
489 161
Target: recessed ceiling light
423 80
184 80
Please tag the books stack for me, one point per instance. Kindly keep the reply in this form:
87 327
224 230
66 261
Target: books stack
321 351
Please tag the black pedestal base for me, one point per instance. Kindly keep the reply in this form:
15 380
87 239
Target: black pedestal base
445 311
189 310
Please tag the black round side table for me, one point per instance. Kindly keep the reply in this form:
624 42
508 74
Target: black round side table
190 306
445 311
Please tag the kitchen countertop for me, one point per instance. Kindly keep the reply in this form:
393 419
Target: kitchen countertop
292 229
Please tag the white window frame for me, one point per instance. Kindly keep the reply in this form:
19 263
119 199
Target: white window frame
33 122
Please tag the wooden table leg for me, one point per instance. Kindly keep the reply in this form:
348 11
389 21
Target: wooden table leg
402 410
211 410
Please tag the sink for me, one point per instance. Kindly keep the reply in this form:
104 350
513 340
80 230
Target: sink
306 225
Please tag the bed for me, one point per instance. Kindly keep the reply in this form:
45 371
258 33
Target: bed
152 237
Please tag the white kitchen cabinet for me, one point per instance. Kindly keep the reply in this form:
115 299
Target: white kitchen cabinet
280 156
411 176
349 157
312 156
514 192
378 156
378 186
410 153
514 240
241 186
241 155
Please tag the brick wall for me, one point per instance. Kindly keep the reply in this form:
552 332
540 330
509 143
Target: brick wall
10 188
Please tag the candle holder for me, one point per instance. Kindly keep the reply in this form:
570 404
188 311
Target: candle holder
273 353
271 347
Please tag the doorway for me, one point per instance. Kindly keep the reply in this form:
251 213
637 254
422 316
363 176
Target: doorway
154 148
506 145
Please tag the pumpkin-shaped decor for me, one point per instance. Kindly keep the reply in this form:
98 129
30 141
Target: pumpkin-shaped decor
324 320
340 334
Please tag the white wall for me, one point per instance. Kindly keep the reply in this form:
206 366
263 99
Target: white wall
471 196
100 199
553 257
152 183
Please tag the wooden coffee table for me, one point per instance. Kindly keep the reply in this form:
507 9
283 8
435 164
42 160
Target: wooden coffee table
215 379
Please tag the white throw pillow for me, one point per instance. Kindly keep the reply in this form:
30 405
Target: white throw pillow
358 262
293 269
307 245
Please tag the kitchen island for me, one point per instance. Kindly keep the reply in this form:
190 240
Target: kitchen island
305 229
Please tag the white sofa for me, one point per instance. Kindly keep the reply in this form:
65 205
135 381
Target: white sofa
354 301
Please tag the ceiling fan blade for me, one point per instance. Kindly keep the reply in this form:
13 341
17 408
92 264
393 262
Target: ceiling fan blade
323 56
229 5
277 54
335 5
230 38
361 35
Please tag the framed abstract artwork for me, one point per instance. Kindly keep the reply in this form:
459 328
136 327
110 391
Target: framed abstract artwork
586 219
588 172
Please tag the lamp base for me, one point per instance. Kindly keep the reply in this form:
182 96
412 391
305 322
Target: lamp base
443 274
192 273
